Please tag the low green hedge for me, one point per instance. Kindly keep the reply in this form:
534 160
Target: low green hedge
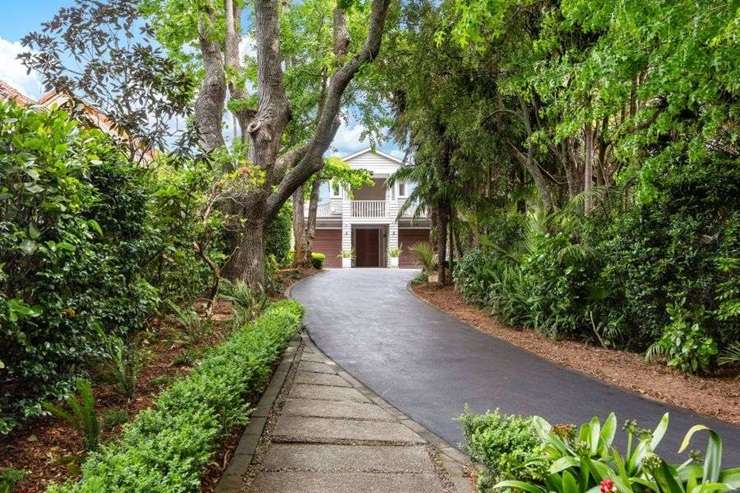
317 260
167 447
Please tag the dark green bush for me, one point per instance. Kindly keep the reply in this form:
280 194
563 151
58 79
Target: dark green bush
506 445
278 233
166 448
317 260
663 273
73 245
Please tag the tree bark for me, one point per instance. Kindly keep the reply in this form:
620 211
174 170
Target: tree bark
443 218
588 172
313 207
299 228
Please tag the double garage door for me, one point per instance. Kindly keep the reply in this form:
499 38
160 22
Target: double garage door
329 242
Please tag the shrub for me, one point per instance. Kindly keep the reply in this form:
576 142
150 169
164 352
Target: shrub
529 454
278 234
122 363
317 260
166 447
684 345
506 445
73 250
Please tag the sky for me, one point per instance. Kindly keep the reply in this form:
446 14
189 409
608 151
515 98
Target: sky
18 17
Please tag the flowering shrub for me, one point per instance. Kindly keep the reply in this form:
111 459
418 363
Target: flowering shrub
585 459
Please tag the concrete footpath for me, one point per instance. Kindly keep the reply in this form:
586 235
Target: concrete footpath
318 430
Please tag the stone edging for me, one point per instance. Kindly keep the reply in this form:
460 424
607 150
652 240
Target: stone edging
244 452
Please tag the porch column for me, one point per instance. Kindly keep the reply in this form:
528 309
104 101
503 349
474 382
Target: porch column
392 242
346 228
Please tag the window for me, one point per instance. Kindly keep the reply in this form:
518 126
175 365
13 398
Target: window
336 190
401 189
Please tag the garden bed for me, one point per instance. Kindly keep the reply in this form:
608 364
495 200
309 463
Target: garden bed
48 449
717 396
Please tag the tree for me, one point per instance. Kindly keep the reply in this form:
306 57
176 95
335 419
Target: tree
102 54
264 118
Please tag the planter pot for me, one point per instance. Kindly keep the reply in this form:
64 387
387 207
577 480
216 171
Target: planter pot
433 278
393 262
346 263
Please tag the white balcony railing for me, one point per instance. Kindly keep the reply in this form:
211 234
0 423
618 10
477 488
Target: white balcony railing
368 208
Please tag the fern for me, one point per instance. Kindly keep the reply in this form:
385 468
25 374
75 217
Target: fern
123 364
424 253
81 414
9 478
731 355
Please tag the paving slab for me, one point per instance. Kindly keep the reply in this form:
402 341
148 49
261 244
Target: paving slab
348 458
314 357
316 367
331 430
312 482
335 409
320 379
325 392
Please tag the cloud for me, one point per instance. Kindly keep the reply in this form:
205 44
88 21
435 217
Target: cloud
248 46
14 73
349 139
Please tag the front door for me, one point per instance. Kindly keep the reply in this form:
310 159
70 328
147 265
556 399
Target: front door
367 247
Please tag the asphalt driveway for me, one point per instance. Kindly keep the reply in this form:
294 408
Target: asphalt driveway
430 365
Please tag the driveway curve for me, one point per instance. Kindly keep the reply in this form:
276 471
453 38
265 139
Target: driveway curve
430 365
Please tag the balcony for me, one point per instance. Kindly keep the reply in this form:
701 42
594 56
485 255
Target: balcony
369 208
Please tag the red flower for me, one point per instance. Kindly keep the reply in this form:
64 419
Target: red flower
608 486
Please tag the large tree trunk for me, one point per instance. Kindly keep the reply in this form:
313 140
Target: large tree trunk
248 262
443 219
313 207
299 228
588 172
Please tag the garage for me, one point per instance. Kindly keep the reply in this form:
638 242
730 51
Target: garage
408 237
329 242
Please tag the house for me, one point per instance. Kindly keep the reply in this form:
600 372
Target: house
92 115
366 221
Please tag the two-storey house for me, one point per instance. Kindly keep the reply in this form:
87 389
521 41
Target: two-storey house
366 221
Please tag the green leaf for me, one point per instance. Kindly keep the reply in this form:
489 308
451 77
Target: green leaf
563 463
520 485
569 483
666 480
29 247
659 432
609 430
713 455
95 226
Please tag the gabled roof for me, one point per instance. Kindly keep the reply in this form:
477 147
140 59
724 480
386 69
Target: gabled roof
379 153
10 93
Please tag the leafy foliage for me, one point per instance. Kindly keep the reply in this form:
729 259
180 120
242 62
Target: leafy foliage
570 459
277 235
81 414
317 260
167 447
506 445
424 254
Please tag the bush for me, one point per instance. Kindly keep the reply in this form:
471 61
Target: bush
506 445
278 234
73 249
663 273
586 459
167 447
317 260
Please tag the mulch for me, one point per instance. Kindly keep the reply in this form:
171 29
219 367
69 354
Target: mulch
717 396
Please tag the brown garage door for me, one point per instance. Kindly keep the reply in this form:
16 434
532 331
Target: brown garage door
329 242
409 237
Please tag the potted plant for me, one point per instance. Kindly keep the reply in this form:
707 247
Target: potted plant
347 256
393 255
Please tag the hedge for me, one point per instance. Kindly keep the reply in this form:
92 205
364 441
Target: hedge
167 447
